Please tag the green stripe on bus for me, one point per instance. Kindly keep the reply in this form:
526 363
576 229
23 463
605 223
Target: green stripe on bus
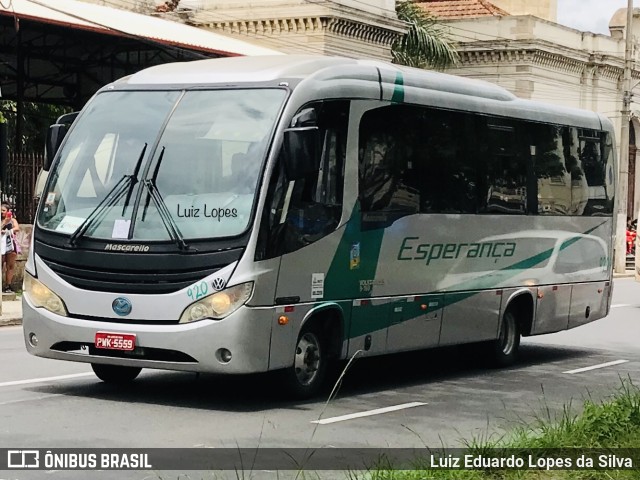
342 279
398 90
378 315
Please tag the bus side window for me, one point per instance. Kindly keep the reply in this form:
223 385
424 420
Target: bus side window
593 161
386 165
552 179
413 160
300 212
505 177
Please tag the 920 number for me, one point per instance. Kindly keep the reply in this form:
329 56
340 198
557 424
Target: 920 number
198 291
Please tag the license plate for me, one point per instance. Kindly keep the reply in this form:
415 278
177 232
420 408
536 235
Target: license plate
115 341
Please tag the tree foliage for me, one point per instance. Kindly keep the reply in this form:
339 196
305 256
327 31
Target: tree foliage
426 43
36 118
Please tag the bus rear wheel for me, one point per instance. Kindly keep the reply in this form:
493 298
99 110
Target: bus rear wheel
504 350
306 376
116 374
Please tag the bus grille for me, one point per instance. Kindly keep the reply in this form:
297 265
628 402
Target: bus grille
143 281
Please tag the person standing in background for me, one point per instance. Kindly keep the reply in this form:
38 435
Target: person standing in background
9 227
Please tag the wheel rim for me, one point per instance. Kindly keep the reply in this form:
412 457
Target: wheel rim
307 360
507 337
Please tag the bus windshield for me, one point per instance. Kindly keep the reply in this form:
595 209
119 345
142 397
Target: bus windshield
197 155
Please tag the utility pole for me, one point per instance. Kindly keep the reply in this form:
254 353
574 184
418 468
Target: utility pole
623 177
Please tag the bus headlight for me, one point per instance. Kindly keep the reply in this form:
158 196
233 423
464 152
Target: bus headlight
41 296
218 305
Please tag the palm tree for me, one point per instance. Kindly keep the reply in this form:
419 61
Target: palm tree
426 43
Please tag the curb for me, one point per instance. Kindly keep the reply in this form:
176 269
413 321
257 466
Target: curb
7 322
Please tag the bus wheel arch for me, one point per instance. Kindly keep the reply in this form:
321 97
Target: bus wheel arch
515 322
328 319
521 304
318 342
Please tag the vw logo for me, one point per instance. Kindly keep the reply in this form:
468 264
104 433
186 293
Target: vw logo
217 284
121 306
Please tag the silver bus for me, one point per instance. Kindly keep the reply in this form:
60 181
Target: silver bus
244 215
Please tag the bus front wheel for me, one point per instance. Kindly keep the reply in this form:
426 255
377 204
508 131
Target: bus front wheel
504 350
115 373
305 378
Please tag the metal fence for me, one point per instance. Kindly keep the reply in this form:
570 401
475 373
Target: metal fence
19 188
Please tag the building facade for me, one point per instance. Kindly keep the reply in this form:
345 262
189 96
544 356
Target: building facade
349 28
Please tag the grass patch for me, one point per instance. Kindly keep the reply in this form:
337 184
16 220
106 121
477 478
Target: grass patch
597 428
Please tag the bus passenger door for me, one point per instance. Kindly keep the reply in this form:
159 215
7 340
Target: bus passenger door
415 323
308 227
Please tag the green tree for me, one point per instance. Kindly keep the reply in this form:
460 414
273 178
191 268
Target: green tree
36 118
426 44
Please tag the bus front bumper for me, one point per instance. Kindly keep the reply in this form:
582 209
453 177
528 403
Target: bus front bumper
195 347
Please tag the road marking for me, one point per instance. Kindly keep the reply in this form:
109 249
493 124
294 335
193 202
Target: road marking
45 379
368 413
601 365
621 305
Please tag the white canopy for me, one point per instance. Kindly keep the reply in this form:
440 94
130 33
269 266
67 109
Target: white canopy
88 16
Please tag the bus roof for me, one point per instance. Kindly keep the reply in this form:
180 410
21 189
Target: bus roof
271 68
351 75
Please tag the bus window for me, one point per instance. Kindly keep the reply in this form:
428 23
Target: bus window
505 175
553 179
593 166
412 161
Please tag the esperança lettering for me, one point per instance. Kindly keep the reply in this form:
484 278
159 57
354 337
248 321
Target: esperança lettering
411 249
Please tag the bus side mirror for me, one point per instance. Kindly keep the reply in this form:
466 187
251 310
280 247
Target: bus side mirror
55 135
40 181
301 155
301 145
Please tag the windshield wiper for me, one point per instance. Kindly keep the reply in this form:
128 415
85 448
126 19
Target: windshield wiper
110 199
153 179
167 220
134 179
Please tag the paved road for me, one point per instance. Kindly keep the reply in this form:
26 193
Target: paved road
454 398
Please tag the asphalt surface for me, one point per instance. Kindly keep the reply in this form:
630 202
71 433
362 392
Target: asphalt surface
443 397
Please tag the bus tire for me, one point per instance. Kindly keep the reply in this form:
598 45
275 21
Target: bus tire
116 374
306 376
504 350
